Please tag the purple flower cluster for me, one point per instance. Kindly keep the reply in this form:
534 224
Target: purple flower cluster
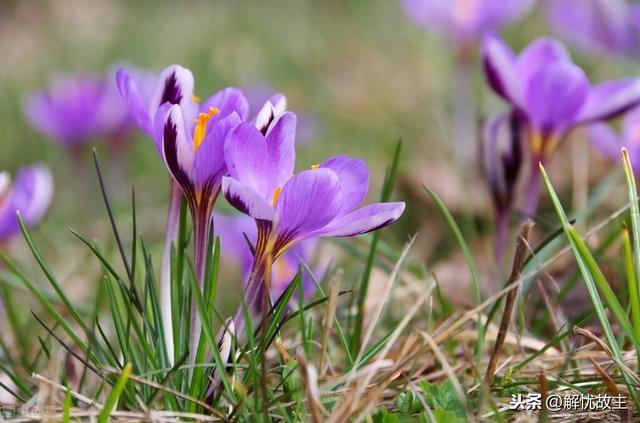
549 95
213 145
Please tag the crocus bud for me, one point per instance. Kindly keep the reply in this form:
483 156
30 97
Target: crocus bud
502 157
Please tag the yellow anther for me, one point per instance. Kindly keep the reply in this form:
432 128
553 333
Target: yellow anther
315 167
276 195
196 99
201 126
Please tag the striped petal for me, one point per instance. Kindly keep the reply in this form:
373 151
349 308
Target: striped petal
177 149
175 86
363 220
246 200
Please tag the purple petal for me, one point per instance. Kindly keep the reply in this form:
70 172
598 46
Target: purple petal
539 54
177 149
610 99
209 163
554 97
31 194
229 100
246 200
605 140
246 155
281 150
501 70
353 176
309 201
133 101
363 220
174 86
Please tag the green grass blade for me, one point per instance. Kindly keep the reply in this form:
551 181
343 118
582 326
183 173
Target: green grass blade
634 286
114 396
632 281
49 275
592 277
44 301
206 319
66 406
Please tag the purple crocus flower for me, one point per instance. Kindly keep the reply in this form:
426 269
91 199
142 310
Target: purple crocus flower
465 21
193 137
76 109
551 96
609 142
288 208
194 153
602 26
30 193
234 247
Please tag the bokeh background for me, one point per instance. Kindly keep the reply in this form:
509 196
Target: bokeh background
359 73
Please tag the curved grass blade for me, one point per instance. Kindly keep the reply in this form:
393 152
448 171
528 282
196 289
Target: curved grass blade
594 279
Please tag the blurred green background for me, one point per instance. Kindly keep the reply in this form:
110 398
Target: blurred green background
360 74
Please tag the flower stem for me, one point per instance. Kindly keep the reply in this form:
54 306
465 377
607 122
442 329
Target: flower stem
253 294
170 236
201 228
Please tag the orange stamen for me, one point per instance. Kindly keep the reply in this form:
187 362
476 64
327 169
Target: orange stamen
276 195
201 126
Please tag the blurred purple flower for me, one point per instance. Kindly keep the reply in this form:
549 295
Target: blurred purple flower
465 21
289 208
30 194
608 142
234 247
76 109
602 26
502 161
550 95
